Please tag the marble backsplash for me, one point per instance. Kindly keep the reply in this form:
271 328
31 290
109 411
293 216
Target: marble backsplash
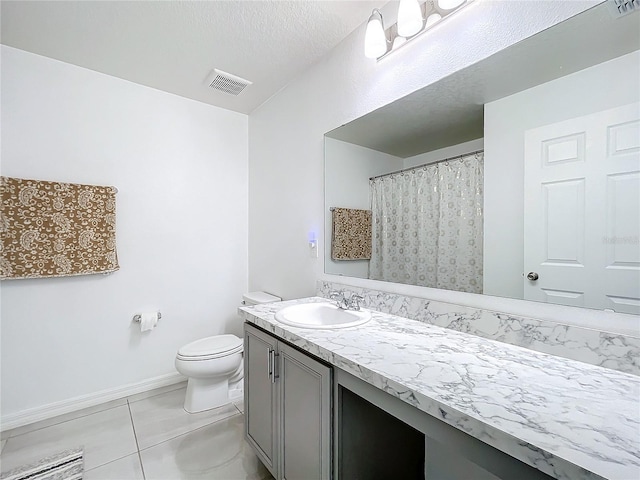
615 351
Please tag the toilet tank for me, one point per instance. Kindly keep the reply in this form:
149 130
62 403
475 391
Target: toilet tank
256 298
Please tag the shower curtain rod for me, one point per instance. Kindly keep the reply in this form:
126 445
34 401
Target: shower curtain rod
427 164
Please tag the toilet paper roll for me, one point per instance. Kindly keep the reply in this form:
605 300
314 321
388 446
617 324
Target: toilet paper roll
148 321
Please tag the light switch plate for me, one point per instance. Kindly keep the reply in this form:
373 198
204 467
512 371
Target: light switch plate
313 249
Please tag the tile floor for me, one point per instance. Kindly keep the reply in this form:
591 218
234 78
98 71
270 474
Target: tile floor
147 436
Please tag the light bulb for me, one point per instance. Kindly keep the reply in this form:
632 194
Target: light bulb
375 40
398 42
449 4
433 18
409 18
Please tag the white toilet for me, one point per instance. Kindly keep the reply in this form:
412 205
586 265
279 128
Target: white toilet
214 365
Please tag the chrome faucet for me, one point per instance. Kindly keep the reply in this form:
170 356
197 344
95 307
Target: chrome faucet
354 302
344 303
341 301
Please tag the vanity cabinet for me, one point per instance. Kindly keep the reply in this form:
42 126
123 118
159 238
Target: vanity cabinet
287 408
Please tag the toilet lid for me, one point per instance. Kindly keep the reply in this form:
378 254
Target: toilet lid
210 345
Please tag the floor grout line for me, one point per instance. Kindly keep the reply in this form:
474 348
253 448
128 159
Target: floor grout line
68 420
135 436
125 401
108 463
191 431
231 414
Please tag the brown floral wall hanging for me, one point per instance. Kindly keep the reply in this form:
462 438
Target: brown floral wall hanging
52 229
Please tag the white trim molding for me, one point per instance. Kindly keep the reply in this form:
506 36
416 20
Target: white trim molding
611 322
32 415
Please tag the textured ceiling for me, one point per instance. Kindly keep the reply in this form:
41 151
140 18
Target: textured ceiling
451 110
173 46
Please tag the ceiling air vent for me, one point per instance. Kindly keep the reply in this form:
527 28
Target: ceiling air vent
620 8
227 83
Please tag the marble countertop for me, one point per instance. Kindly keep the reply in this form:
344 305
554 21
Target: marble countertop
568 419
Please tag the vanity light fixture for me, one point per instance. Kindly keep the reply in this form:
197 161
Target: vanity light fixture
410 19
375 38
449 4
414 18
432 19
398 42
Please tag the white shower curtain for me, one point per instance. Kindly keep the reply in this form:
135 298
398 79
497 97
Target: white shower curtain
427 225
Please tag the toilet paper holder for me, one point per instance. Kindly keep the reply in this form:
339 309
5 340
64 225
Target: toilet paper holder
137 317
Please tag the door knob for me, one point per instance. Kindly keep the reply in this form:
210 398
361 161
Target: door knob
533 276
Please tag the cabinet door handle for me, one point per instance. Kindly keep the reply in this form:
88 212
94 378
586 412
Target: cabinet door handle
270 364
275 366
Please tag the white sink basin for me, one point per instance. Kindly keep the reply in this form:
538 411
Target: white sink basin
322 315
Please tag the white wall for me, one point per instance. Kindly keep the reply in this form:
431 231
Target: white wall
286 133
443 153
506 120
181 170
348 168
286 138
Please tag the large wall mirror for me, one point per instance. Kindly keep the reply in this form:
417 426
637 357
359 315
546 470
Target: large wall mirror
518 176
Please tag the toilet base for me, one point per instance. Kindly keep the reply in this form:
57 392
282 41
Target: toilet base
236 391
206 393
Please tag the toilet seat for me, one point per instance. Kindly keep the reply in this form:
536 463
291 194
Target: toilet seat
211 347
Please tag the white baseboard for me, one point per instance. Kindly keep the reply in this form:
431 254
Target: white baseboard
44 412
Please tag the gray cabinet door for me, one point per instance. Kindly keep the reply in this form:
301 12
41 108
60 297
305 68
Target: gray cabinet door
260 396
305 416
